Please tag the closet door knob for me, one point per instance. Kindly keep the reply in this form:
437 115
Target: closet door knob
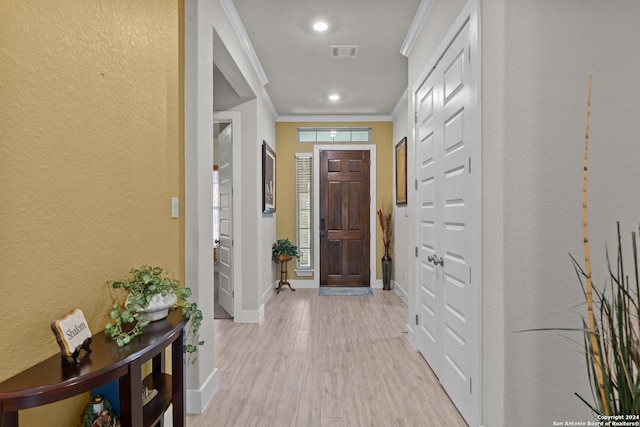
435 259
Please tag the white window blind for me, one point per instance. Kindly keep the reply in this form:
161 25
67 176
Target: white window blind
304 183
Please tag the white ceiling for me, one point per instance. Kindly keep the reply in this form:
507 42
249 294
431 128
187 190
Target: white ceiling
297 61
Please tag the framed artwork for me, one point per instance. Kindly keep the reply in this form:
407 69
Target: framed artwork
268 179
401 172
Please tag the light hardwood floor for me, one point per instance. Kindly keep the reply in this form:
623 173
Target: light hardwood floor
324 361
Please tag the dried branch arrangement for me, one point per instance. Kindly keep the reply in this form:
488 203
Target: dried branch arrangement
611 341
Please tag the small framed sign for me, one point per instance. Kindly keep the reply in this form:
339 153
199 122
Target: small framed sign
73 334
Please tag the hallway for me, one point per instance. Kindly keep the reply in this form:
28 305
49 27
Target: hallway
324 361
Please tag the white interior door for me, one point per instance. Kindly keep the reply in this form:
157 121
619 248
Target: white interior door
428 335
225 293
446 300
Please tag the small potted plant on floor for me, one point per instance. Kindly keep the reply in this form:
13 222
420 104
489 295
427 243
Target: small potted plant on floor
283 250
149 294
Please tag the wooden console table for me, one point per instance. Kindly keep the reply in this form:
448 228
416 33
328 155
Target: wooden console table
49 381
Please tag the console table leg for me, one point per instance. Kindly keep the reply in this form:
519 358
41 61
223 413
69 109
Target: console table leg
130 386
178 381
9 419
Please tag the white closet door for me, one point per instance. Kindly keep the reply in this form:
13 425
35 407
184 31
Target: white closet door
446 300
429 334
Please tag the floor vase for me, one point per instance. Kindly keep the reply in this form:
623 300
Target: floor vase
387 263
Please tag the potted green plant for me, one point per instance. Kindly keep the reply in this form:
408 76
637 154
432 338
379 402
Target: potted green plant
146 296
283 250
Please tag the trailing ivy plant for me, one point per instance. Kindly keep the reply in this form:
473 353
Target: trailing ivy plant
136 293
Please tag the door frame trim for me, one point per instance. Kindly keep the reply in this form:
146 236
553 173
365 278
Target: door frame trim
371 148
234 118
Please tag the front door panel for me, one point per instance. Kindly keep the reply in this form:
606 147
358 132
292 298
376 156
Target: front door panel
344 218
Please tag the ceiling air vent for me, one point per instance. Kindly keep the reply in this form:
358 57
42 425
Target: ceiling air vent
344 51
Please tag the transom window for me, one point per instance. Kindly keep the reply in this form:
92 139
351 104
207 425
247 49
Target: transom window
332 134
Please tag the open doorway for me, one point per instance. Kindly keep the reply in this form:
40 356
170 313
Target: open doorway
223 220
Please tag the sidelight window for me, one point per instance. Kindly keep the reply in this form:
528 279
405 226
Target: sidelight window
304 220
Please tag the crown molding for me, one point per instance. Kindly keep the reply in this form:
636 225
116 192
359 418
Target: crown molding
416 26
400 104
337 119
241 33
264 95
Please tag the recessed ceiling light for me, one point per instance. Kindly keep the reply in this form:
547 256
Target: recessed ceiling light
334 97
320 26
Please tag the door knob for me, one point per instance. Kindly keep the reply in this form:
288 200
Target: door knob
435 259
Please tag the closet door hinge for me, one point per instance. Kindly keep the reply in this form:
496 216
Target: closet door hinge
417 319
415 117
469 54
416 252
416 184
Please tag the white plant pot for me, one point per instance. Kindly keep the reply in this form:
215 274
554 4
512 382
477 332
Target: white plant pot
159 307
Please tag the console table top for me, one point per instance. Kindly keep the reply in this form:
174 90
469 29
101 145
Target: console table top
50 381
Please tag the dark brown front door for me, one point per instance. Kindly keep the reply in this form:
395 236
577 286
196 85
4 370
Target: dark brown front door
344 218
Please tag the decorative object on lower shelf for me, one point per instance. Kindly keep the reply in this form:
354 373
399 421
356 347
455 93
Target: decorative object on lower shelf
100 414
132 312
148 394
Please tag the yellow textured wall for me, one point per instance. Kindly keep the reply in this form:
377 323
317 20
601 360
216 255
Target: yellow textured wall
90 154
287 145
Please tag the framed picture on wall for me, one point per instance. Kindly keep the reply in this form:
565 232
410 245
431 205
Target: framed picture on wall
401 172
268 179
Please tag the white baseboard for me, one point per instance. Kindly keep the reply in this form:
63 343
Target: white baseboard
266 296
197 400
298 284
249 316
411 336
404 296
303 284
312 284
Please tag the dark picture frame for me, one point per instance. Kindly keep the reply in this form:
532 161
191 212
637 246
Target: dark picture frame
268 179
401 172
